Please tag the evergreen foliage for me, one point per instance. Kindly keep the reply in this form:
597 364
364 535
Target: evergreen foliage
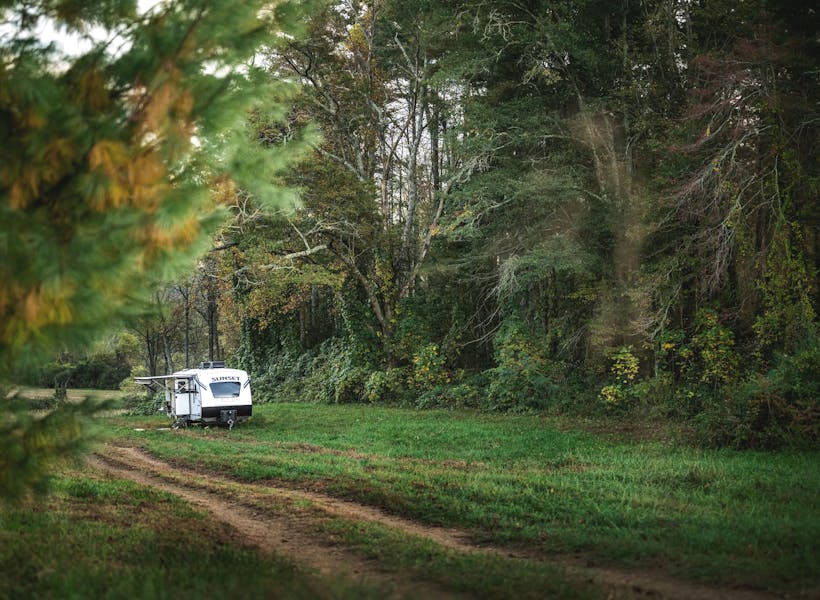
30 445
115 162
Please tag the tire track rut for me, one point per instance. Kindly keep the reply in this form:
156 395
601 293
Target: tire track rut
284 521
285 534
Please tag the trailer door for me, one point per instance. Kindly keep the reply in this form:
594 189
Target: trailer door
182 398
196 404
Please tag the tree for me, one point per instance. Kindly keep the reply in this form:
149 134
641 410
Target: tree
378 185
114 161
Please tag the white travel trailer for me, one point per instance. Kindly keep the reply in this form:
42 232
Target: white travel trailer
210 394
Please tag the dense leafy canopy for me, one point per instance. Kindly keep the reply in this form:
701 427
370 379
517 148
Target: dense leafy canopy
535 205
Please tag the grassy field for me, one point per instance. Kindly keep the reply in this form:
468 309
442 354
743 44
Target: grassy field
737 518
529 483
43 398
98 538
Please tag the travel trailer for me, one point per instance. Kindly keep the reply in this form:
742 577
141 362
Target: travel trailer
211 394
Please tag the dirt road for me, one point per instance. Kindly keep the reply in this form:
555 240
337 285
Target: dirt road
288 523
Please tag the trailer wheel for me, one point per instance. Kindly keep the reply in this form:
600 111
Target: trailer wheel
180 424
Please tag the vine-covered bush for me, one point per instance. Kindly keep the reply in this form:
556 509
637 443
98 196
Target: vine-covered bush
332 373
781 408
389 386
625 367
522 378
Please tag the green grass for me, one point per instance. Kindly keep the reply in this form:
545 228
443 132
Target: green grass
477 575
73 394
748 519
97 538
43 399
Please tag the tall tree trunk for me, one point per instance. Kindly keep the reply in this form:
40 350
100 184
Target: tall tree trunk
212 332
187 296
150 353
166 347
185 292
433 125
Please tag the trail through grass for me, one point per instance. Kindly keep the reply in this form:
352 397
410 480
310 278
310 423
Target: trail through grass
738 519
100 538
535 485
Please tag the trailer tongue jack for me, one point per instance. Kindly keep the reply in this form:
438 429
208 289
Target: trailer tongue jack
227 417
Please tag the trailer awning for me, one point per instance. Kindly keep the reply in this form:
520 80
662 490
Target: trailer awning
162 382
156 382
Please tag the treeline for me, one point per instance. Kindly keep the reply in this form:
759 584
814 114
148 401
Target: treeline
179 326
570 206
545 205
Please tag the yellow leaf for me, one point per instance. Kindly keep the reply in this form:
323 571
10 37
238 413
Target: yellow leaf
109 156
93 91
17 197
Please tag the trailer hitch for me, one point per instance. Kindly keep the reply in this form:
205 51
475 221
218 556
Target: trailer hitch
227 417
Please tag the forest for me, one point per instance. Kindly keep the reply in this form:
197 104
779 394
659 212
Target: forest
566 207
533 206
546 206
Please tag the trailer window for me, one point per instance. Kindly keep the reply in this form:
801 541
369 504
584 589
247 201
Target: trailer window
225 389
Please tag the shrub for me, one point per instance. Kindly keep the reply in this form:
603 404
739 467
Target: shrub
712 358
655 391
460 395
523 377
625 367
387 386
139 399
768 411
428 368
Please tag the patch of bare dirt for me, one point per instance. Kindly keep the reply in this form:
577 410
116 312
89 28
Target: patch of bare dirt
293 533
649 584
